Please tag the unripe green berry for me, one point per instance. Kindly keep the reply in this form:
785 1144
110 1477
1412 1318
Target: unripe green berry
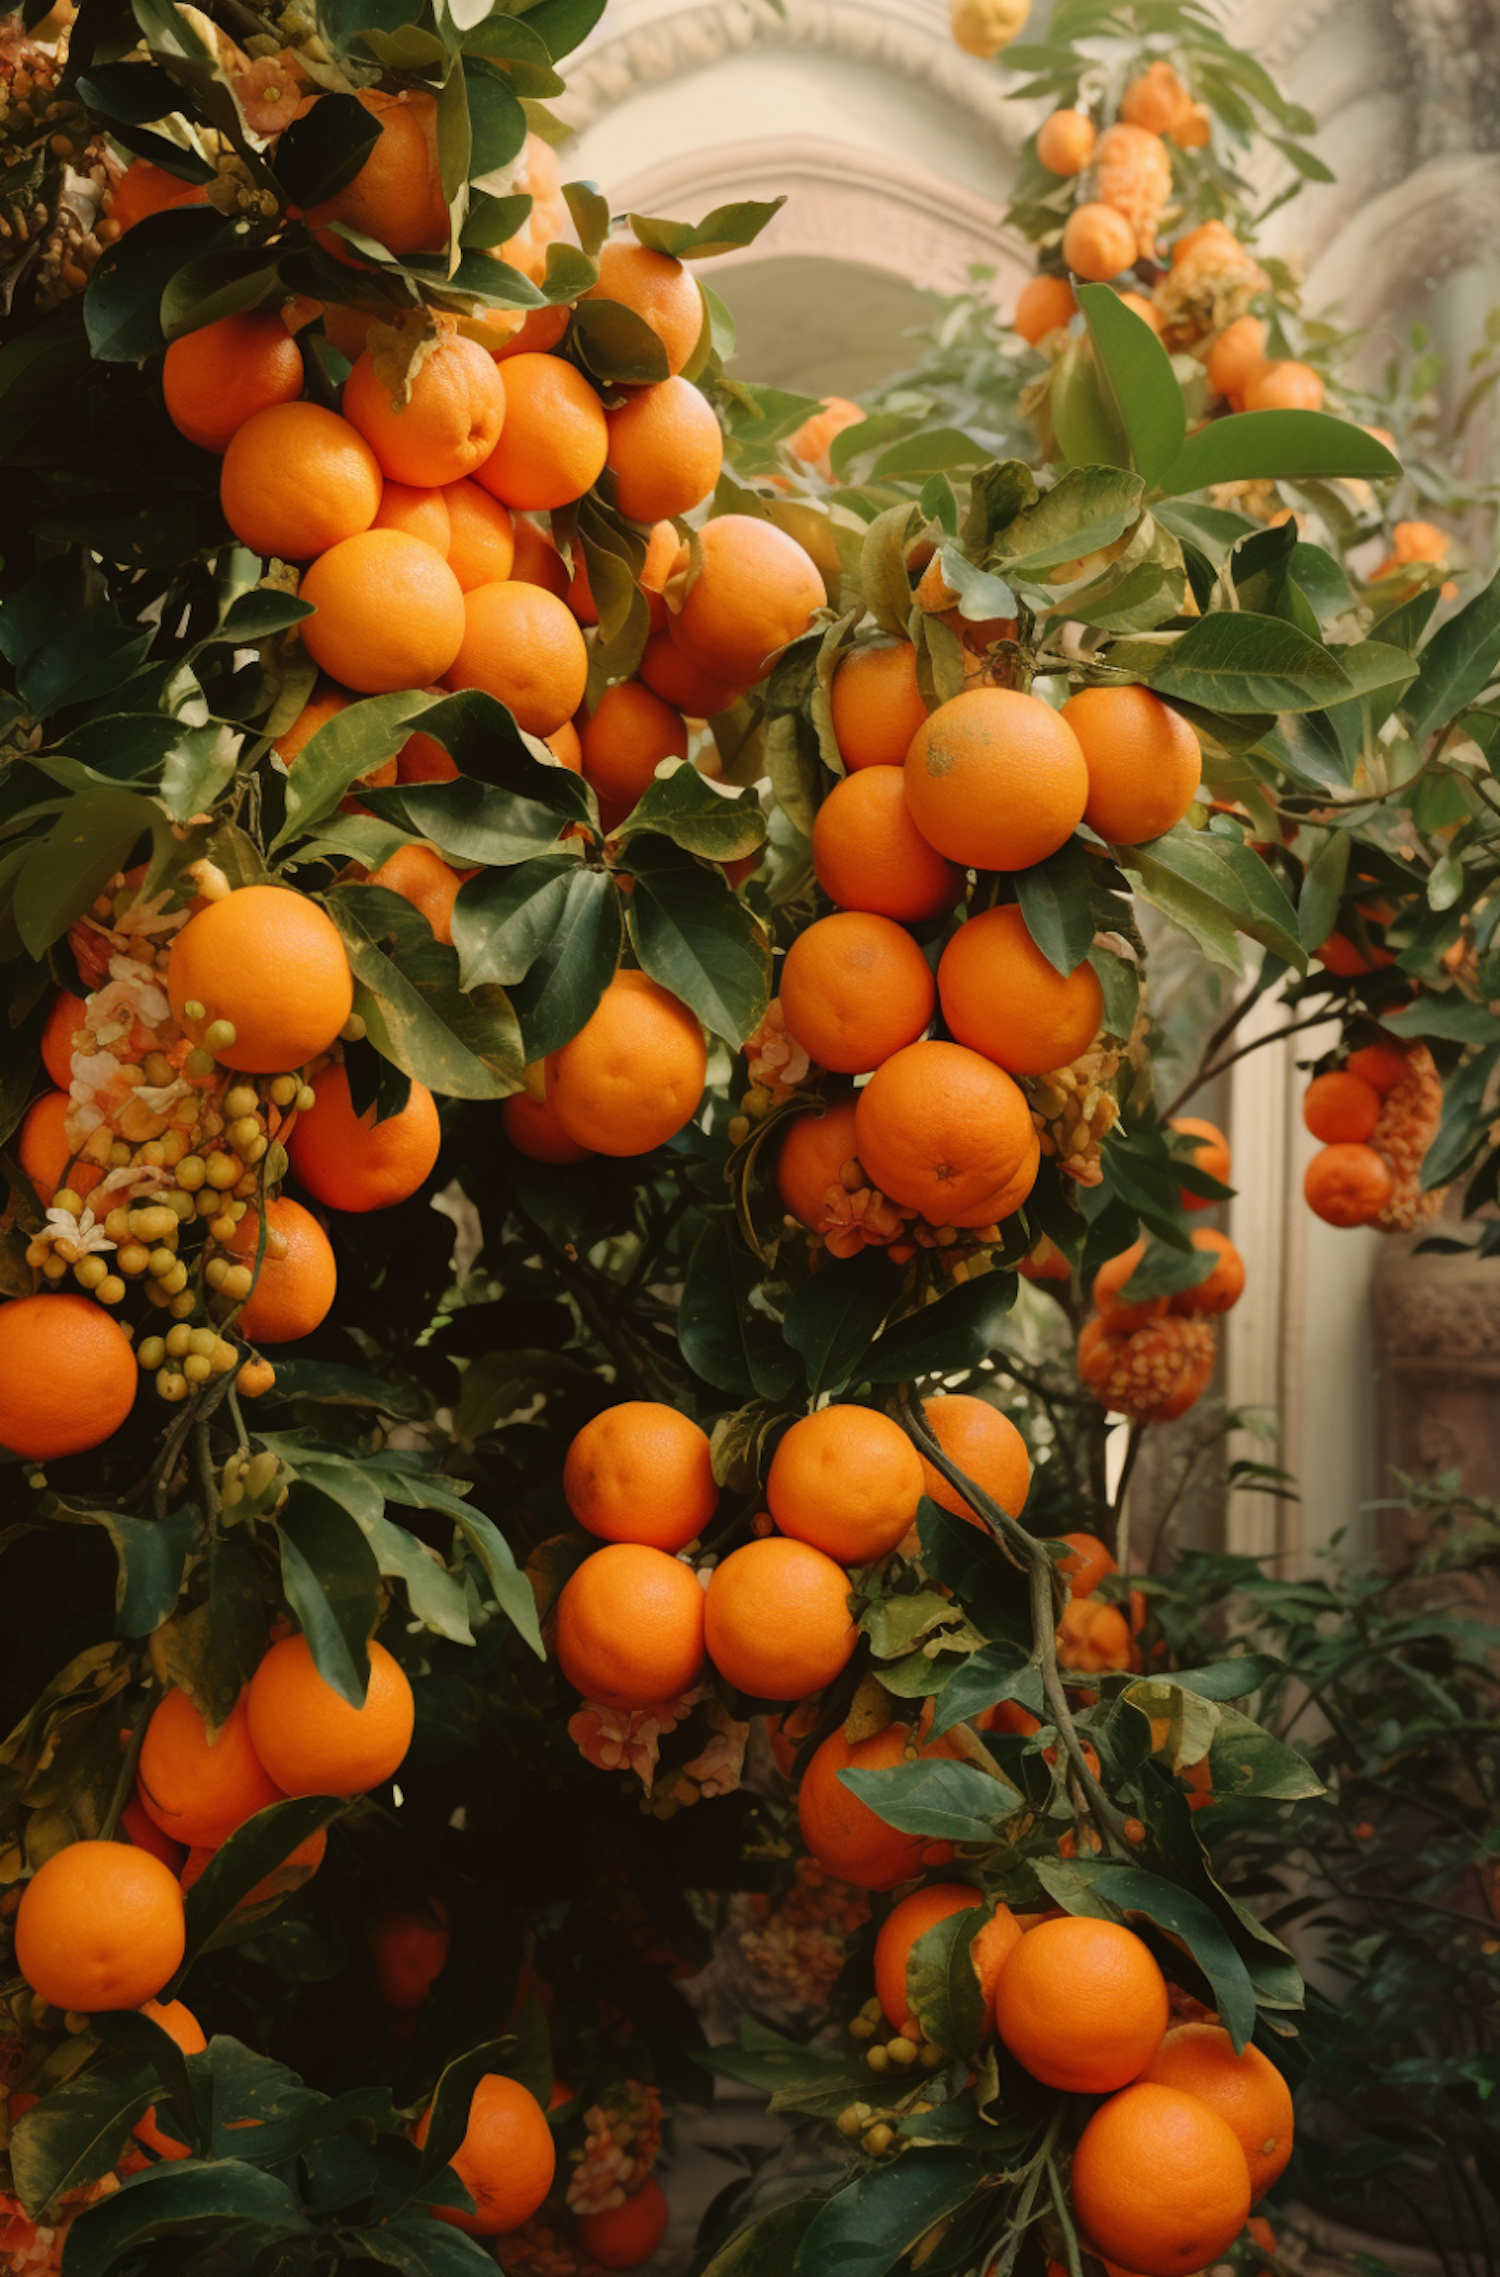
196 1369
171 1385
222 1036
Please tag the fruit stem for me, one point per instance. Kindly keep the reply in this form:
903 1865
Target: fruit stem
126 1779
1047 1600
1064 2218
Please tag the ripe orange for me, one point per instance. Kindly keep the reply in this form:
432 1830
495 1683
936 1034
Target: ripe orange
847 1479
200 1789
1044 305
481 536
146 189
659 289
1065 142
1159 2182
1247 2091
539 332
1237 357
325 703
630 1627
665 451
985 1444
813 1152
1210 1155
181 2025
1000 996
877 705
554 441
45 1152
817 433
641 1472
410 1952
1286 386
449 423
777 1622
1224 1286
1087 1564
309 1737
397 195
868 853
629 735
293 1291
634 1073
912 1919
1098 243
845 1836
1143 762
67 1376
755 590
1340 1107
390 612
350 1161
424 879
296 480
566 747
417 513
1116 1311
996 780
1081 2004
1156 99
668 674
271 964
214 379
942 1131
100 1926
521 645
1380 1065
506 2160
625 2237
854 989
64 1020
534 1130
1145 309
1347 1185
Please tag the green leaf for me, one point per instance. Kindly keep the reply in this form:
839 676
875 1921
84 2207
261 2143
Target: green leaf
1234 661
1167 1272
936 450
725 230
407 992
252 1852
1054 899
353 743
685 807
943 1988
224 282
1455 1017
723 1337
767 2248
1322 890
831 1319
883 577
152 1554
561 24
1090 507
1229 1679
318 154
959 1331
1458 663
866 2229
332 1584
618 345
497 123
1121 982
1465 1125
65 871
76 2133
947 1802
1245 1759
179 2201
695 936
1279 446
492 221
1088 429
971 1562
550 931
997 1672
122 307
1140 377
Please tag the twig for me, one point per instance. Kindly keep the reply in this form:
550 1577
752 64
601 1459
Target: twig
1064 2219
1220 1035
126 1779
1207 1074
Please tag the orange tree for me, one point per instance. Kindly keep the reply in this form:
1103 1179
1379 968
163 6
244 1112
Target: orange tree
359 851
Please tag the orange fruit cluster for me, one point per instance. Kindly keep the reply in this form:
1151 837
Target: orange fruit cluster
1377 1113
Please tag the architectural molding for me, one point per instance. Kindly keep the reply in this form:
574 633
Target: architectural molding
842 202
913 47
